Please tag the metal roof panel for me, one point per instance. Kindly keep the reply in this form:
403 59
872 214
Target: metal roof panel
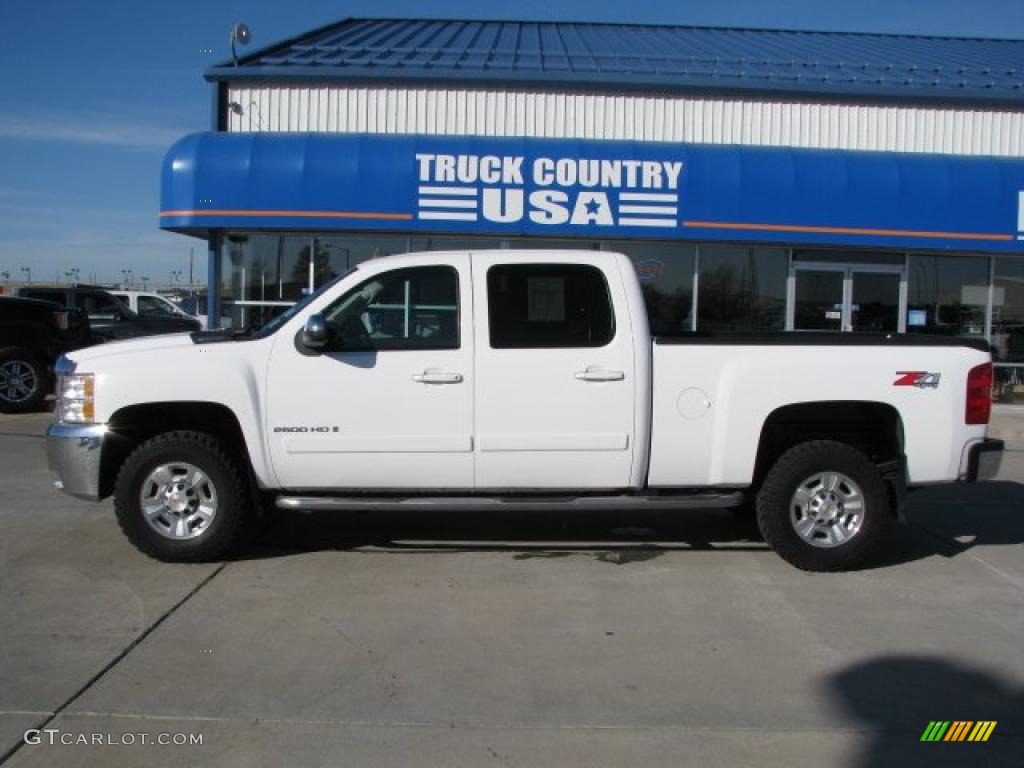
644 57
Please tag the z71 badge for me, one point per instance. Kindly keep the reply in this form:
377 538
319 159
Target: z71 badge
919 379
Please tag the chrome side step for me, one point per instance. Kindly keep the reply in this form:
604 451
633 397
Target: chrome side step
701 500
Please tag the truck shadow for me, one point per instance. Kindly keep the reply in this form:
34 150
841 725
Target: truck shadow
944 522
608 536
960 517
893 699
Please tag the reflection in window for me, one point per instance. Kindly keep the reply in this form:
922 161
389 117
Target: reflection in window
818 300
444 243
1008 310
293 268
1008 329
666 278
947 295
335 255
264 273
549 244
742 289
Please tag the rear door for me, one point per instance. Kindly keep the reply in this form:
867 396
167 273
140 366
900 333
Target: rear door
555 379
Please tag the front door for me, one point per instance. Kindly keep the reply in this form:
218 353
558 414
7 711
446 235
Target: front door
819 300
846 297
875 301
555 378
389 403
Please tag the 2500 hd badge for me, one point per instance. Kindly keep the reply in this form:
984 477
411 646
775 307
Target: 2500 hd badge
307 429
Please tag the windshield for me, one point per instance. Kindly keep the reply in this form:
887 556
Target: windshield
273 325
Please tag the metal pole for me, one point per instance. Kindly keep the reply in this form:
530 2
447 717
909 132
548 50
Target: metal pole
312 254
213 278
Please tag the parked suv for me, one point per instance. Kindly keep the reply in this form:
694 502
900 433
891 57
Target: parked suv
109 317
33 334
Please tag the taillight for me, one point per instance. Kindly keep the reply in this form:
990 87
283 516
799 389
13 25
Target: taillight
62 319
979 394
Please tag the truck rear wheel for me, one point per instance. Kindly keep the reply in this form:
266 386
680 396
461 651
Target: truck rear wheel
23 380
823 506
180 497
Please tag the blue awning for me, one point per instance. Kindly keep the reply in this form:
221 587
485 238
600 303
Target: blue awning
591 189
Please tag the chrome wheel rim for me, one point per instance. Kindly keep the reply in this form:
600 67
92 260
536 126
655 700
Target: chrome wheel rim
178 501
17 381
827 510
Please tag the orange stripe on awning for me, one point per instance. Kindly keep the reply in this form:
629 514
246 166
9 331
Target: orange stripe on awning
845 230
295 214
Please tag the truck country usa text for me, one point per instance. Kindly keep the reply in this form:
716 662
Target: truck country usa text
567 190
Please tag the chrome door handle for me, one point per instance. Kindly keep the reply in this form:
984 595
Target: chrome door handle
435 376
593 373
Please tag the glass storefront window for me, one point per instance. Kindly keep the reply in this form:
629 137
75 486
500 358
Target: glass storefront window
265 273
340 253
546 244
849 257
1008 311
666 277
452 243
947 295
742 289
1008 329
293 267
250 269
739 288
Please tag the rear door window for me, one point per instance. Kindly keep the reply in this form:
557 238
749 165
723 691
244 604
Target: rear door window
533 306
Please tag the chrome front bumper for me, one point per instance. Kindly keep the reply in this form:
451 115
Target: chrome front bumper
73 452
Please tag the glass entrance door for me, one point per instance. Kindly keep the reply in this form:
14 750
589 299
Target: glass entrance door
875 302
846 297
818 300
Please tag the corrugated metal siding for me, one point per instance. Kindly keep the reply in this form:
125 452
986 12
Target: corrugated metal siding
636 118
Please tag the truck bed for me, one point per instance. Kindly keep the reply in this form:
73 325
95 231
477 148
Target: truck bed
713 394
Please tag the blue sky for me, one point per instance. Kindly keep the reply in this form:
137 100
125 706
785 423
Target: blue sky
93 94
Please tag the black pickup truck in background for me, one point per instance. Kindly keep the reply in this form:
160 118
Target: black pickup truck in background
109 317
33 334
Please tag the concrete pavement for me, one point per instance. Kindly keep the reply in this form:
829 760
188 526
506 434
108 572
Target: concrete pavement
458 639
1008 424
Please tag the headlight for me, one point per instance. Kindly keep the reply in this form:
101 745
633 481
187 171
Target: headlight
76 398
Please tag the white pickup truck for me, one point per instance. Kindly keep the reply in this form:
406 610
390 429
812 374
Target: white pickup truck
514 380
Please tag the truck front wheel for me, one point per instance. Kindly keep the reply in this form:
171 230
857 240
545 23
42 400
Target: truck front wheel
822 506
180 497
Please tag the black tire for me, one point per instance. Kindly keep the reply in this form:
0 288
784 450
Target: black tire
24 380
228 527
778 514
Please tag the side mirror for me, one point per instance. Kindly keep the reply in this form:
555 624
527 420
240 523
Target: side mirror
314 333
